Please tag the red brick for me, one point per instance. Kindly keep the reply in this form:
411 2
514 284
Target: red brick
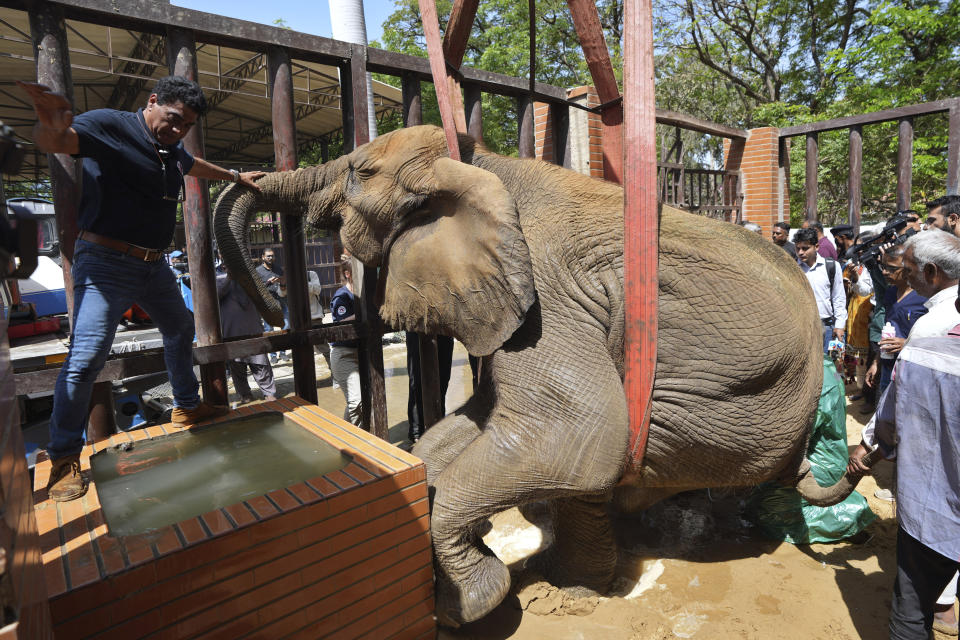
283 500
262 507
240 514
304 493
192 531
232 629
217 522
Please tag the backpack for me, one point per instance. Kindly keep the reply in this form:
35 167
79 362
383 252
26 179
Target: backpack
831 274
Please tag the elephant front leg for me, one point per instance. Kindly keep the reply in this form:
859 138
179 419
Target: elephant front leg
584 551
496 472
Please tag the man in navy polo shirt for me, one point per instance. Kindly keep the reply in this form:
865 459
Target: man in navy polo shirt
133 168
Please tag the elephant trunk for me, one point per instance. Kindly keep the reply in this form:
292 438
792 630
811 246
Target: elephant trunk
819 496
288 192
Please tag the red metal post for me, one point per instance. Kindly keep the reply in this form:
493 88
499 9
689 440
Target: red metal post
587 22
182 61
640 240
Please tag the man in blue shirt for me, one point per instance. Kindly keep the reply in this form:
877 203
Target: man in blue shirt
133 168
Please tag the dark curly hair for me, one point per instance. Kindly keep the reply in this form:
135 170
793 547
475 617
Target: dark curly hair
179 89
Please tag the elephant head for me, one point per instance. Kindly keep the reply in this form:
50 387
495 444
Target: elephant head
445 234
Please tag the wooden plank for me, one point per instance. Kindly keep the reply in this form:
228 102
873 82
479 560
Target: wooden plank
457 33
441 83
641 233
904 163
594 46
811 176
938 106
242 347
855 179
684 121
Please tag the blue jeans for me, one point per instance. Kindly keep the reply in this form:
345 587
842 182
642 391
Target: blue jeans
827 336
105 284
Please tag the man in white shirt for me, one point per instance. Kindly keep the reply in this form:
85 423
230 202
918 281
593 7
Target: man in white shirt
831 299
931 264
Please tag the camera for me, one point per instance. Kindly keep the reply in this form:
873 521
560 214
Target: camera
892 234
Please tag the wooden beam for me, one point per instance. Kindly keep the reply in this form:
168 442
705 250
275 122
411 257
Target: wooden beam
457 33
855 179
586 20
810 183
886 115
452 120
684 121
904 163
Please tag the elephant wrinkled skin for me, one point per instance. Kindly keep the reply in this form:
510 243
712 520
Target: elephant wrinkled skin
523 262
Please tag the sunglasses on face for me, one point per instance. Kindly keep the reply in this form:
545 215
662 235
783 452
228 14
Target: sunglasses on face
181 192
889 268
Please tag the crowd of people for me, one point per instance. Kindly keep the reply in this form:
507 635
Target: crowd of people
890 313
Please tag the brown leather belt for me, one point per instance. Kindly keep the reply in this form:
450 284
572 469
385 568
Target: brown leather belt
141 253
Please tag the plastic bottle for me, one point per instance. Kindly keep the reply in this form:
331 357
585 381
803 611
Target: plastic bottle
888 331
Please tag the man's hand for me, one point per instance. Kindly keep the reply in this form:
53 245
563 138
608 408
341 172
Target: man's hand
871 375
892 345
249 178
52 133
855 466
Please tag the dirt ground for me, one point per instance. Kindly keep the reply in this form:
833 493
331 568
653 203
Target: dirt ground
691 567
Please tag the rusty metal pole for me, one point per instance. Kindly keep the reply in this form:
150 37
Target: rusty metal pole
641 233
353 100
294 253
49 35
904 163
855 179
182 61
811 176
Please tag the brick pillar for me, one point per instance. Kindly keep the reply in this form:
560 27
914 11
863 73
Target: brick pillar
763 181
542 131
585 137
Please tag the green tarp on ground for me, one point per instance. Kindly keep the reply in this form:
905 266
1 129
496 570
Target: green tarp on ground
781 514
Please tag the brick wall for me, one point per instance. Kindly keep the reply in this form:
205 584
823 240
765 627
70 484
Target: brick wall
345 555
763 182
586 149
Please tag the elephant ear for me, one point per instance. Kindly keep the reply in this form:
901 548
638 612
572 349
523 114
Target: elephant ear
459 265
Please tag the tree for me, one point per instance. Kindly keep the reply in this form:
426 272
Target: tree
499 43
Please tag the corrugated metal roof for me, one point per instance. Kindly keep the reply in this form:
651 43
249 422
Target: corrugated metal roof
118 68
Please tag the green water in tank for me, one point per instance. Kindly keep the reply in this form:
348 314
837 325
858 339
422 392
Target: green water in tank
150 484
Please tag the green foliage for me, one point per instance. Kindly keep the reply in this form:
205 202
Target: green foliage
499 42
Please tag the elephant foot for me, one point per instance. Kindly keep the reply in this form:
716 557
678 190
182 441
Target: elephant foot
471 594
578 575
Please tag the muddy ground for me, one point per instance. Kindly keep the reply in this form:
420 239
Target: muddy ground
690 567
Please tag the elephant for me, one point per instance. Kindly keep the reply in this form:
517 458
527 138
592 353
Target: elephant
522 261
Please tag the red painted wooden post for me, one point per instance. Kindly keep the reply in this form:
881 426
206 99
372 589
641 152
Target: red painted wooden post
640 240
587 22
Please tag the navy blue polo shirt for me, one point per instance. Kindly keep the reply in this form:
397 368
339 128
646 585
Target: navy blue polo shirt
124 183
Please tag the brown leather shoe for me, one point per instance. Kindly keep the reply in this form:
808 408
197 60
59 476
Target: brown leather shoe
66 483
203 411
